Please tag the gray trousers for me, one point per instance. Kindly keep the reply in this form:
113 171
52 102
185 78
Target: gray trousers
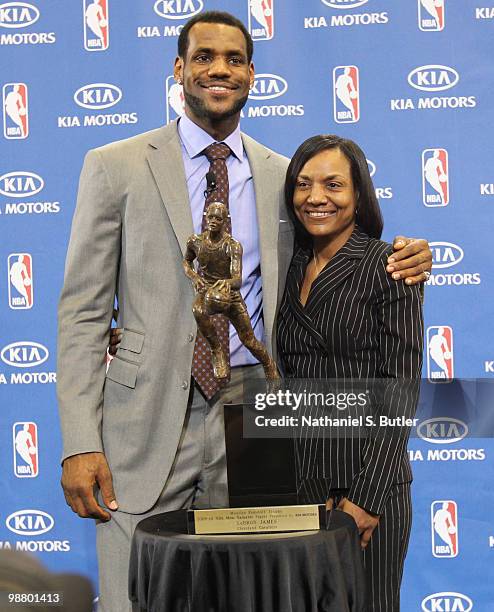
197 479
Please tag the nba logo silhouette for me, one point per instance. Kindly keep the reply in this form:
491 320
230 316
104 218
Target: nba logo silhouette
440 355
435 177
444 528
431 15
346 100
15 111
96 25
261 19
20 271
25 442
174 99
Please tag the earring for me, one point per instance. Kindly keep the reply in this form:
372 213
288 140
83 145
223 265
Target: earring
179 81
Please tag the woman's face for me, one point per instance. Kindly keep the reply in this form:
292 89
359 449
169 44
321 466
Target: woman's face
324 199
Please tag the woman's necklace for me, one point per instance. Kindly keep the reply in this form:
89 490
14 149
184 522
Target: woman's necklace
318 268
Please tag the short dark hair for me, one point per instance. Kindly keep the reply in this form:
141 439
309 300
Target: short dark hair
214 17
369 216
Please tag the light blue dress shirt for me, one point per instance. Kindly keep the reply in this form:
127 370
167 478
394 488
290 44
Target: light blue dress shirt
242 204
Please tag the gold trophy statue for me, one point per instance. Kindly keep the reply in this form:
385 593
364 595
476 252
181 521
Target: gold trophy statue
217 282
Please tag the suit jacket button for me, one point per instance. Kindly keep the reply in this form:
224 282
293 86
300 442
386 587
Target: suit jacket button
185 385
190 337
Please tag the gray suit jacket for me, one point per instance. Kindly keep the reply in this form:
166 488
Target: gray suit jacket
129 232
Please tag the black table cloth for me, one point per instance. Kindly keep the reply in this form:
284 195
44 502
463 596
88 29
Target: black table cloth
171 571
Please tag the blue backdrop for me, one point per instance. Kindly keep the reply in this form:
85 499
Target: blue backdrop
411 81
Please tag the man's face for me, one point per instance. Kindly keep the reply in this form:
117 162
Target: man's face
215 72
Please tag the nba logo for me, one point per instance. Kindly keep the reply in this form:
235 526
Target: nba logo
15 111
440 353
435 177
346 101
175 102
96 25
261 19
25 441
444 528
431 15
20 273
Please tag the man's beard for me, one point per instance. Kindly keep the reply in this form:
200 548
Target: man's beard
199 108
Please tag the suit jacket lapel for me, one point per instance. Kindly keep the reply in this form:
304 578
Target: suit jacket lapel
294 282
337 271
334 274
267 191
166 163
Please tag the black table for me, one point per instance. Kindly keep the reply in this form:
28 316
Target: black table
290 572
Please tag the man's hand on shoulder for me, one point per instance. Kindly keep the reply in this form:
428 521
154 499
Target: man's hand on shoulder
411 260
80 476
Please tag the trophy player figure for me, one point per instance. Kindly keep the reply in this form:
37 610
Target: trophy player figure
217 284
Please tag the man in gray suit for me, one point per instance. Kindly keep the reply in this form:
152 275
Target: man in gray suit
144 434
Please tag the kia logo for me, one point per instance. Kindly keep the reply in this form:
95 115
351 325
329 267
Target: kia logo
372 167
29 522
433 77
20 184
18 14
268 86
98 95
24 354
445 254
442 430
178 9
447 601
344 4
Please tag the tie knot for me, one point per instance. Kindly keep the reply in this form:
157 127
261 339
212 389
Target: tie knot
217 150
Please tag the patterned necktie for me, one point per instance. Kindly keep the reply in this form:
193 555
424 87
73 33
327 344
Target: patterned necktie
202 368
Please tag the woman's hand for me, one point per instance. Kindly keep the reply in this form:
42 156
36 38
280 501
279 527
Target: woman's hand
366 522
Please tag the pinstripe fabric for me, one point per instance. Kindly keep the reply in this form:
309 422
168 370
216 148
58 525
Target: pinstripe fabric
357 323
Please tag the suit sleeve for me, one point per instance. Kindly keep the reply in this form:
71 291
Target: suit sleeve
399 314
85 308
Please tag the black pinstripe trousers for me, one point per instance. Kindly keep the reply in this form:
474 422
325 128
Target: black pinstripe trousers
385 554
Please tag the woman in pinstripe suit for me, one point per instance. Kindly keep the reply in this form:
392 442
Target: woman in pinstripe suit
342 317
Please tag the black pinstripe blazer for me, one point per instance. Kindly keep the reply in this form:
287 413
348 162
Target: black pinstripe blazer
357 323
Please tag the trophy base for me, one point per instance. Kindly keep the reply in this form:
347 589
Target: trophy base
262 487
261 471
